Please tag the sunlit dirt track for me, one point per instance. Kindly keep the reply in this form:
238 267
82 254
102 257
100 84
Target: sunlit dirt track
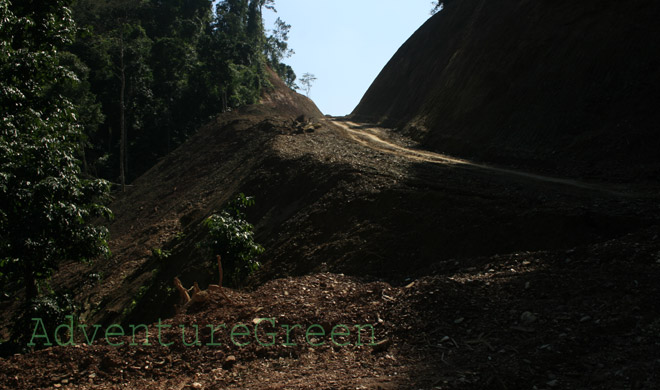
374 138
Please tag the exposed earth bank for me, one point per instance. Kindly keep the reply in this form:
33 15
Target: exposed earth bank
560 86
535 269
471 278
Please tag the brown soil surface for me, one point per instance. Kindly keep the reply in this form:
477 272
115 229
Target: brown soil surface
471 277
576 319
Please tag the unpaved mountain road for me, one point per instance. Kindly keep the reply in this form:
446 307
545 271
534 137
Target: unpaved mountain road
375 138
472 277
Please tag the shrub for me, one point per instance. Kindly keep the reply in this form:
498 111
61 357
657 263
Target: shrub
232 237
52 310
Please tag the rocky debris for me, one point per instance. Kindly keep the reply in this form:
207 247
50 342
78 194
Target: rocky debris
229 362
505 337
303 124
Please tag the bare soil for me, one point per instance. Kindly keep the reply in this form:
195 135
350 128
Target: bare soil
472 277
577 319
564 87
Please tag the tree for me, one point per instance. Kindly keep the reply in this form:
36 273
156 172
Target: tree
238 44
78 91
182 64
231 30
307 80
46 205
287 74
132 47
437 6
277 48
119 49
169 89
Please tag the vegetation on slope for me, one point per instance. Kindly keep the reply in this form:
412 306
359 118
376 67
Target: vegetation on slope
157 70
94 88
46 204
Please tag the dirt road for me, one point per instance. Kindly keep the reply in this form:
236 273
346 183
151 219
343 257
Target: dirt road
471 276
375 138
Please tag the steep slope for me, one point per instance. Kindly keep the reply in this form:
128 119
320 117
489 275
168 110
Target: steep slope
551 85
326 203
472 277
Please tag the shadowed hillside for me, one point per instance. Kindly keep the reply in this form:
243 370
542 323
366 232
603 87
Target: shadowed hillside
326 201
471 275
564 85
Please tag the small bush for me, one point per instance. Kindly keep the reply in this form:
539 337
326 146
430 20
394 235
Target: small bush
160 254
51 309
232 237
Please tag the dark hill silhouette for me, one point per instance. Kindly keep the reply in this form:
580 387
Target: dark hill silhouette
546 84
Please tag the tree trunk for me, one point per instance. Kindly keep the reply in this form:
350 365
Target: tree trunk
122 109
83 157
31 291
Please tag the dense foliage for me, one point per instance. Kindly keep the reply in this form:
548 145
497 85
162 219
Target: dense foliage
52 310
158 69
102 89
46 204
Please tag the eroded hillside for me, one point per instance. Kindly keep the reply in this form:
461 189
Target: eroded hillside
548 85
326 202
472 275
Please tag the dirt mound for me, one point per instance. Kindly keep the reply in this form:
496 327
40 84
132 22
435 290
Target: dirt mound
558 86
582 318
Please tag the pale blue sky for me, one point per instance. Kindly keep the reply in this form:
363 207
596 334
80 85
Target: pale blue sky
346 43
